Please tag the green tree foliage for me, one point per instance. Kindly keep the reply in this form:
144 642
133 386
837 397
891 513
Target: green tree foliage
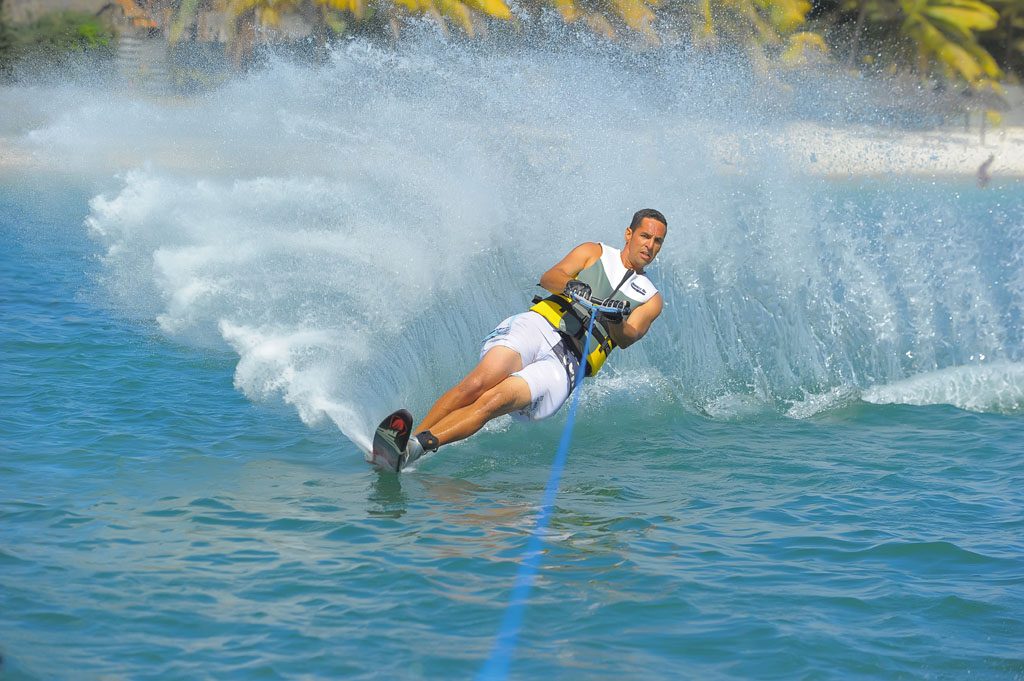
749 22
6 46
608 19
760 27
945 35
1006 42
707 22
934 38
55 38
948 39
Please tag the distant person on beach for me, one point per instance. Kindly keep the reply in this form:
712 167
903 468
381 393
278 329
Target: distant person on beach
528 364
983 174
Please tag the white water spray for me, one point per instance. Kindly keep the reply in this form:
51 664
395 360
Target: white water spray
352 231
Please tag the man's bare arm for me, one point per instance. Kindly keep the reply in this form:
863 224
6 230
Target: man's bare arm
578 259
636 325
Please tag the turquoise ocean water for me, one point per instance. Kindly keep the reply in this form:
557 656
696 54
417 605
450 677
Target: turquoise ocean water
812 468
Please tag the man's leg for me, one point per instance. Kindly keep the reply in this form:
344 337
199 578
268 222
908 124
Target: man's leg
512 394
494 367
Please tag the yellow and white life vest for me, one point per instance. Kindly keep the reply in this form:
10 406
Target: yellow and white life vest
571 318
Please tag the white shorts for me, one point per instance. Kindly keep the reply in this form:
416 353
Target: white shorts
549 367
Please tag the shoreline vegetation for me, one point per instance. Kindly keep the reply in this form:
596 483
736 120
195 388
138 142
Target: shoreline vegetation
944 44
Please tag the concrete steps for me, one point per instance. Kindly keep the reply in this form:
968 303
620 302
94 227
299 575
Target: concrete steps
142 61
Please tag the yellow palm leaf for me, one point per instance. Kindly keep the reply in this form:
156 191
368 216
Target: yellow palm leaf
985 60
803 47
928 36
494 8
962 19
270 16
340 5
458 12
411 5
982 6
787 15
569 10
708 26
637 15
958 59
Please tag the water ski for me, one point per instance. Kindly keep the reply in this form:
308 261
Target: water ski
390 439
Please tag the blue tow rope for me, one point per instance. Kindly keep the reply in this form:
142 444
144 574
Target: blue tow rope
496 668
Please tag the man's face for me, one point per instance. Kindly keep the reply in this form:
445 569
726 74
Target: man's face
643 243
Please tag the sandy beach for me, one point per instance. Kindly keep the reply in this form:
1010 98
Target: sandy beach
845 152
861 151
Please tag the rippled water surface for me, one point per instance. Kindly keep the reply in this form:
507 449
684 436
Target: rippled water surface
154 523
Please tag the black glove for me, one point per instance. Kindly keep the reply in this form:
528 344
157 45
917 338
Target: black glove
622 311
577 289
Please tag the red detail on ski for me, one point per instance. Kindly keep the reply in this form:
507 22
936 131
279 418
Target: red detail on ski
398 424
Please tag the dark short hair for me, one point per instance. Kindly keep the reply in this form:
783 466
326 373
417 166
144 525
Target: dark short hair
647 213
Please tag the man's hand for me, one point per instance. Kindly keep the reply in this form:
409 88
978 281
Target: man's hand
576 289
622 311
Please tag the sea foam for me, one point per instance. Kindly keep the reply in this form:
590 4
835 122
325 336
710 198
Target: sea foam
994 387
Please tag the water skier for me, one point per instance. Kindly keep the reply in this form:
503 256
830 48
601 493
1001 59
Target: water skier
528 363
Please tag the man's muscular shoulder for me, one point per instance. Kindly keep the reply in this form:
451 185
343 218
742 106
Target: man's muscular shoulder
587 253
